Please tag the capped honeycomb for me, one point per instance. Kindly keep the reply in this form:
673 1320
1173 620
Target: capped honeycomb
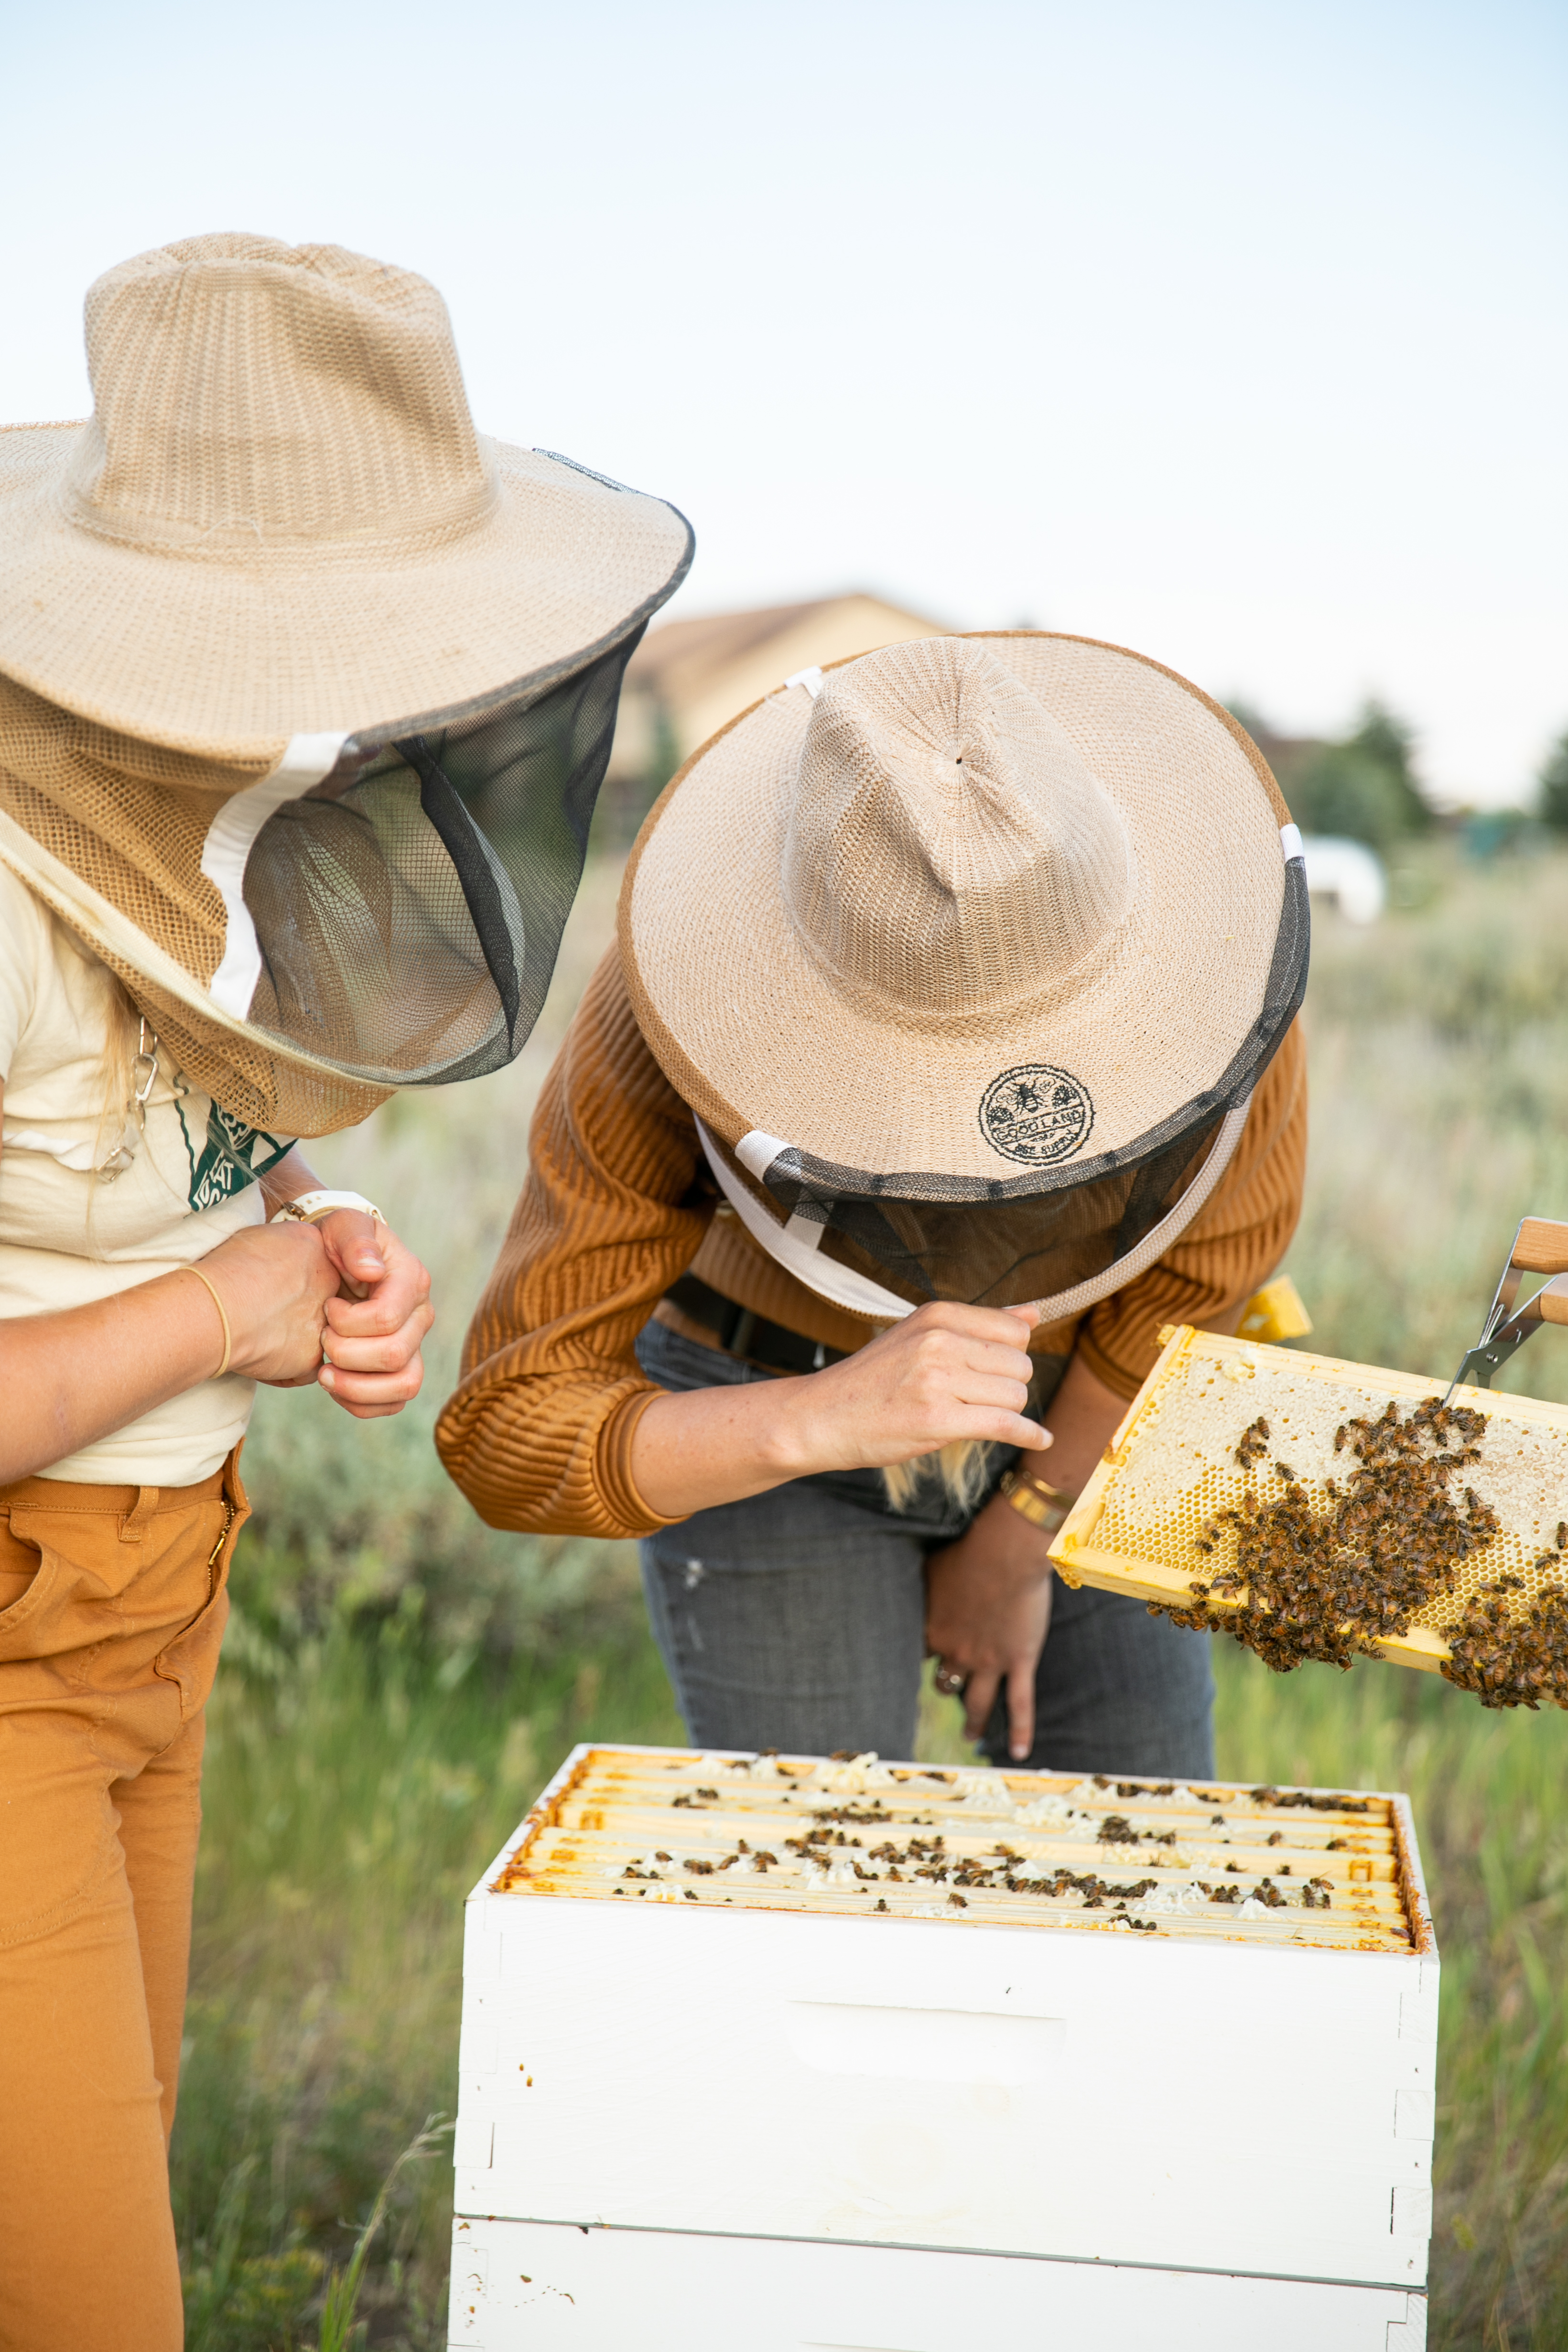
853 1835
1158 1518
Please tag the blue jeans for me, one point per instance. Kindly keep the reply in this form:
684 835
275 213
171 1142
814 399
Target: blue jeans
795 1620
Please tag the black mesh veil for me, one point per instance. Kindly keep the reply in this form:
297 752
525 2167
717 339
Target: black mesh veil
408 909
998 1253
1061 1235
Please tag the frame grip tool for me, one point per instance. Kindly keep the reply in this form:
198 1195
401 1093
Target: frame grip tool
1540 1246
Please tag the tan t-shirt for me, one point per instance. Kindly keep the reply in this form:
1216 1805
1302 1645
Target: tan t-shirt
65 1237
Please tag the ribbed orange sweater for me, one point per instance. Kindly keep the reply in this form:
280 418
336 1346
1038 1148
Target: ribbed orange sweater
619 1202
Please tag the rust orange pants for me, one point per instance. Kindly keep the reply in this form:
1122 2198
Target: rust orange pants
112 1604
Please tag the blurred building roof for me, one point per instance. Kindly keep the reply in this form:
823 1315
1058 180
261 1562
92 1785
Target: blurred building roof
688 678
1287 754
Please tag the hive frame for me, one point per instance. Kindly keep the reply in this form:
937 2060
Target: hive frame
1079 1560
563 1783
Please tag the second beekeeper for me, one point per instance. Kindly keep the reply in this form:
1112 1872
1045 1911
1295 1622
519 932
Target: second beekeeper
946 1053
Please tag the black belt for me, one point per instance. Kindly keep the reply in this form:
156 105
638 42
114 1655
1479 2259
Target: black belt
751 1337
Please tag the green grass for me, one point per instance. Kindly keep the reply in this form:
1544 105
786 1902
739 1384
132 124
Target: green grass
1488 1793
400 1681
354 1793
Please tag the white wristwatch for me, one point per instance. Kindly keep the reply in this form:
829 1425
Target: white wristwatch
310 1207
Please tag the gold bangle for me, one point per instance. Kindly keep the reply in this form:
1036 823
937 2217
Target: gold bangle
223 1318
1042 1505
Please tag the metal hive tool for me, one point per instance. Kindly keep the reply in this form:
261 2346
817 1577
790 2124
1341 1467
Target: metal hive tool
1540 1246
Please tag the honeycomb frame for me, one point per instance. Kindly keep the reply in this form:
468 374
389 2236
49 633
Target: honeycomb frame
1200 1396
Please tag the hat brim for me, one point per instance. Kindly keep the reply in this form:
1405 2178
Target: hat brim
230 655
1170 1020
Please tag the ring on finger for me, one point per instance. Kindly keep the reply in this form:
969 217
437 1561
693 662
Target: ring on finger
950 1680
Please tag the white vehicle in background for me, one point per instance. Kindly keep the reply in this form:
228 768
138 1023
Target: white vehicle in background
1347 872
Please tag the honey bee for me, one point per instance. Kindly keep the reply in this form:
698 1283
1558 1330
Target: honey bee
1328 1579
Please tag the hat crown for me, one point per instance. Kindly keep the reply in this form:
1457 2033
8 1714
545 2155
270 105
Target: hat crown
248 393
948 849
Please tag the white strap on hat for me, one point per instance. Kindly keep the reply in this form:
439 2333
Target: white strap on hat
231 837
758 1151
1291 842
788 1244
811 679
797 1247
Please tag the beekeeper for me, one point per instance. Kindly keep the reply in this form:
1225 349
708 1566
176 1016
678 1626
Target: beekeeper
306 690
945 1054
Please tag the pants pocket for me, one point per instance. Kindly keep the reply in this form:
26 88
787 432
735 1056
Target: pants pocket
25 1580
191 1659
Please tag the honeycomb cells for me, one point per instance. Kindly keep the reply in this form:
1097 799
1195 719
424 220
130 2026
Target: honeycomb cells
1178 1478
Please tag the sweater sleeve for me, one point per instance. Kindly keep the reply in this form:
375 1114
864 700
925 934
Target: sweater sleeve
538 1433
1229 1249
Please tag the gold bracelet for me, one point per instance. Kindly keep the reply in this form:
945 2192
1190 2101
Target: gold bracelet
223 1318
1034 1499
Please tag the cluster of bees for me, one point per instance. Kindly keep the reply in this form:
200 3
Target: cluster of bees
1508 1660
1313 1800
1328 1579
928 1859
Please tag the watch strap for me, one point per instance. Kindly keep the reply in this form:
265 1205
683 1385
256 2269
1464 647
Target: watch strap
1036 1500
309 1208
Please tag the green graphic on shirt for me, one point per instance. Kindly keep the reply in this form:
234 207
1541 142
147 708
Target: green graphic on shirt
231 1157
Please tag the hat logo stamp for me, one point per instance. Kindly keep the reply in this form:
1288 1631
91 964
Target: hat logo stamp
1035 1113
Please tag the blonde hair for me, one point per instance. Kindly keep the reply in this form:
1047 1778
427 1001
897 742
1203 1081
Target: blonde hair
963 1469
122 1038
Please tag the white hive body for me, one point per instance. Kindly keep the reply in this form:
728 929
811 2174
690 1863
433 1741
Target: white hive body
894 2053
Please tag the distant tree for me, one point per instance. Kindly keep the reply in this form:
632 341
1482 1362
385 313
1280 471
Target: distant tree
1387 740
1362 787
1343 792
1552 804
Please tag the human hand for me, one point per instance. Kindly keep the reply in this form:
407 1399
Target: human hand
274 1282
946 1372
376 1324
987 1613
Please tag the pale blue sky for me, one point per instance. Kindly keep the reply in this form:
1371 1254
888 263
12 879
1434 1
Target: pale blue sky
1233 332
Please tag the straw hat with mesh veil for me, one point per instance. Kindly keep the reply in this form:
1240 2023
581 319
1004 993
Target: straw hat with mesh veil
306 686
967 954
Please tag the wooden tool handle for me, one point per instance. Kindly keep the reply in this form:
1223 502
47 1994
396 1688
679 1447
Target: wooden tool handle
1541 1248
1554 1304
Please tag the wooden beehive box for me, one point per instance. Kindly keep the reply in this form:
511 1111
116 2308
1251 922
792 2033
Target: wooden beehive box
1171 1468
836 2044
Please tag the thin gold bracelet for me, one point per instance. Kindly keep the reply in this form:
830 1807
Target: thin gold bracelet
1042 1505
223 1318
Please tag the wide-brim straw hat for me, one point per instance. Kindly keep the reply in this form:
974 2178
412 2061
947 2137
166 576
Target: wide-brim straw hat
967 919
281 522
